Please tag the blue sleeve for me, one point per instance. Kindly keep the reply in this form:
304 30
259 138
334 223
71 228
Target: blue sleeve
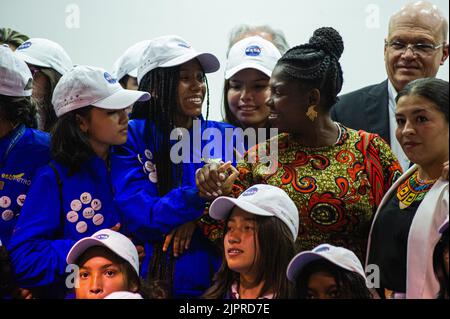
147 215
38 257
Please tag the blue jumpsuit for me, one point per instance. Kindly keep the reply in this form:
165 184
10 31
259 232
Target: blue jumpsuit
52 221
149 216
22 152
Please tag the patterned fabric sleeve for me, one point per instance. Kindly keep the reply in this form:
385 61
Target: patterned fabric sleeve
382 166
391 166
245 168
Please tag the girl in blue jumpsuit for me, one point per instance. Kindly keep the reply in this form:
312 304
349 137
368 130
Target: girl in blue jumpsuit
155 179
72 197
22 149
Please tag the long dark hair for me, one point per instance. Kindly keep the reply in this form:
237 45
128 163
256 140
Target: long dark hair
69 145
276 249
160 110
18 110
350 285
316 64
229 116
45 108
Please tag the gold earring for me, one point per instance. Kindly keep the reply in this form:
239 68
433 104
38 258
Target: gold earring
312 113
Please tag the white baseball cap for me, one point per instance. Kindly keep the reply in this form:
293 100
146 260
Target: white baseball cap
444 226
114 241
15 76
87 85
45 53
172 50
340 256
123 295
128 62
262 200
252 53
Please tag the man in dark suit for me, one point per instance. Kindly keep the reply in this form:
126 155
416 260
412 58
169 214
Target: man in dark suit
415 48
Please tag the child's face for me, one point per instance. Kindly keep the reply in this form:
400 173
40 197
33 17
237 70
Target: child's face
191 89
100 275
322 285
239 242
105 127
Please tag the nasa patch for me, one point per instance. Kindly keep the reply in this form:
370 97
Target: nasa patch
321 249
24 45
109 78
102 236
250 191
253 50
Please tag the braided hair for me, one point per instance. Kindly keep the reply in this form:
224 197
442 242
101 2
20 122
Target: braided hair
161 109
316 63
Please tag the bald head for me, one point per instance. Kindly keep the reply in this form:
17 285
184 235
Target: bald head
421 14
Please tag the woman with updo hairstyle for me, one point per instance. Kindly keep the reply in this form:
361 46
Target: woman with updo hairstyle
335 175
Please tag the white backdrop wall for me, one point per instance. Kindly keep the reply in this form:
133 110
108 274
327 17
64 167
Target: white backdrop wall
97 32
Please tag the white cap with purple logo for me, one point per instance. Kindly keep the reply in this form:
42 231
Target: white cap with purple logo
88 85
172 50
252 53
114 241
340 256
262 200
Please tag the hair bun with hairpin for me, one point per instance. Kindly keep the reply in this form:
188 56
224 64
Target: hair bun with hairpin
328 40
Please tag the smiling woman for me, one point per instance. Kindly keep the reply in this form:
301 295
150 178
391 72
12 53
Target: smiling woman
158 192
405 229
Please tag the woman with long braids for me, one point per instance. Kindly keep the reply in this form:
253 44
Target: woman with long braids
155 187
335 175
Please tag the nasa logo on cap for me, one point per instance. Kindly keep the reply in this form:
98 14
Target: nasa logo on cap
24 45
253 50
321 249
250 191
184 45
109 78
102 236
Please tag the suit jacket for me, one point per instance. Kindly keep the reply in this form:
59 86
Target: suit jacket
365 109
421 282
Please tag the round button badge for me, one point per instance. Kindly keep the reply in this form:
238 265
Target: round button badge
148 154
96 204
5 202
21 199
72 216
149 166
76 205
98 219
7 215
88 212
153 177
85 198
81 227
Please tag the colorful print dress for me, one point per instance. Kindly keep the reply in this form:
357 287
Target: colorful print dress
336 188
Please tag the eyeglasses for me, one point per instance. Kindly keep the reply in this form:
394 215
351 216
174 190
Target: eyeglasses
418 49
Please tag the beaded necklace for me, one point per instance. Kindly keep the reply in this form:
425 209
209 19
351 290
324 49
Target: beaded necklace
413 189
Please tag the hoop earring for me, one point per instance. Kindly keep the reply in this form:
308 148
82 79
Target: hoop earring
312 113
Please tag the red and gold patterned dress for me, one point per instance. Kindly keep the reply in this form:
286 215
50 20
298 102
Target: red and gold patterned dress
336 188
